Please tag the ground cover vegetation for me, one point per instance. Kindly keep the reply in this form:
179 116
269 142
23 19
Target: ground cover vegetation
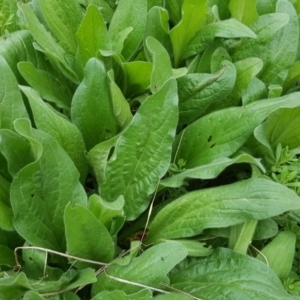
149 149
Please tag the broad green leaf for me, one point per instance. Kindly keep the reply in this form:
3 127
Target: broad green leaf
150 269
212 278
198 91
86 236
120 295
222 133
16 150
275 91
31 295
98 157
282 127
252 199
120 105
209 171
172 296
49 87
266 7
106 8
158 27
244 11
59 127
193 18
230 29
63 18
11 102
143 152
47 44
126 16
14 287
162 69
282 49
265 27
92 110
118 42
104 211
42 189
6 256
256 90
138 77
195 248
92 35
293 77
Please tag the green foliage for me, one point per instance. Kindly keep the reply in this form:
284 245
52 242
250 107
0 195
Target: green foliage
149 149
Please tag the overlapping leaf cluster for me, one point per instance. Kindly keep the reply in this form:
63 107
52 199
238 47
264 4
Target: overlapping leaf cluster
149 149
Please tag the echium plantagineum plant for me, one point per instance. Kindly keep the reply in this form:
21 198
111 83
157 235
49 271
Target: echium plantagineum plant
149 149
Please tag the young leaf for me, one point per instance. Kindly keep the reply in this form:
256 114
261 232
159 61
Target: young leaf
193 18
282 49
246 278
226 130
129 13
162 69
120 295
230 28
252 199
59 127
49 87
63 19
11 102
86 236
42 189
150 268
256 90
293 77
92 35
92 110
198 91
243 11
143 152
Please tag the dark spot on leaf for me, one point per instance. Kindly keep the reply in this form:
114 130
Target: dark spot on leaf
162 259
32 195
212 145
30 258
209 138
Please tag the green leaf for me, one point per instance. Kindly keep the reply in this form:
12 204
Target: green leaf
193 18
31 295
138 75
59 127
162 69
42 189
47 44
9 20
281 127
282 49
126 16
92 110
150 269
106 8
218 56
6 255
104 211
158 27
86 236
172 296
210 170
120 295
49 87
252 199
198 91
293 77
98 158
174 9
256 90
14 287
265 27
243 11
230 29
246 278
120 105
16 150
11 102
142 153
92 35
266 7
63 19
222 133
